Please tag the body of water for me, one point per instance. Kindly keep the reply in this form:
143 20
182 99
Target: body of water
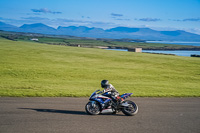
176 52
176 42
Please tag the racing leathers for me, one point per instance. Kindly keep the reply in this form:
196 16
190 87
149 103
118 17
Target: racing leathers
112 92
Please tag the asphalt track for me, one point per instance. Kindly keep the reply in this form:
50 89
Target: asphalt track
63 115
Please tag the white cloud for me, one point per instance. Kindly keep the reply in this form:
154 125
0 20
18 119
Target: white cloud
149 19
116 15
187 19
44 10
193 30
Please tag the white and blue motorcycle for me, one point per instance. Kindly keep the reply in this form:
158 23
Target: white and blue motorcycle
101 103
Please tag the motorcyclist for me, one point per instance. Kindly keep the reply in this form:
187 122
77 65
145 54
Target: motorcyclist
110 90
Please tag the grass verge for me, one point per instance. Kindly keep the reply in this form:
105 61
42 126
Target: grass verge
40 70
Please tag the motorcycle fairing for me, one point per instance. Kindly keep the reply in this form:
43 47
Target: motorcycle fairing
125 95
101 99
93 94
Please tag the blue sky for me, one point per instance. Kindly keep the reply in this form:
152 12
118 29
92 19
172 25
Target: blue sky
155 14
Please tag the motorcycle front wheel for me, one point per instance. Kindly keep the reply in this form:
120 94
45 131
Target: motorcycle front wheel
92 108
131 109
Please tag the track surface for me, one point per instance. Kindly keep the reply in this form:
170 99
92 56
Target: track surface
62 115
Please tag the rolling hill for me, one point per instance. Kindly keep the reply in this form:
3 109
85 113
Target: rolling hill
113 33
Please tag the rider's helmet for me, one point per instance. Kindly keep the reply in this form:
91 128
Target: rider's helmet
104 83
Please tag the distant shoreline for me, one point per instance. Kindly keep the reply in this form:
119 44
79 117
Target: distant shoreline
164 49
186 53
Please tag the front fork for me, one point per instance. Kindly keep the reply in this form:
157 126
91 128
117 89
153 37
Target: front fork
93 103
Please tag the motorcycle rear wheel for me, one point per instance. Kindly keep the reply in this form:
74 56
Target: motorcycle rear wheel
93 108
131 109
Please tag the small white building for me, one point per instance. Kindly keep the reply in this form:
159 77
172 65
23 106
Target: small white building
34 39
137 50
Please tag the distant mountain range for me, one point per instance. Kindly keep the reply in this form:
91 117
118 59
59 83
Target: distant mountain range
113 33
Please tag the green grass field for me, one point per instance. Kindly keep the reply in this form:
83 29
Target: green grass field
34 69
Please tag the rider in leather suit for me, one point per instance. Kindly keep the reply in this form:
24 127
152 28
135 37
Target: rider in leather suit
112 92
